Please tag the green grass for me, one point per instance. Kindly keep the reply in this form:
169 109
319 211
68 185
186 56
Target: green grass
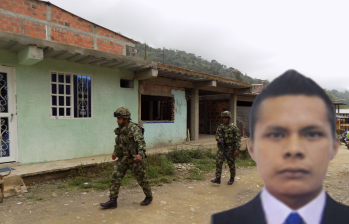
35 198
159 168
244 159
195 174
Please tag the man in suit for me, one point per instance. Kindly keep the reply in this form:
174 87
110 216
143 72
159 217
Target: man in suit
293 139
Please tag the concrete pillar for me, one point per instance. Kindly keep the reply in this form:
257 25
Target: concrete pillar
194 115
206 122
232 107
151 110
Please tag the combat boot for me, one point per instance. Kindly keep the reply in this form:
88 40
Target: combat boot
231 181
112 203
147 200
216 181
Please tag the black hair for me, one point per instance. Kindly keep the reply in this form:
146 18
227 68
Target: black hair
292 83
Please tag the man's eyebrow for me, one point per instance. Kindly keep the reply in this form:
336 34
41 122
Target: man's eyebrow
277 128
310 128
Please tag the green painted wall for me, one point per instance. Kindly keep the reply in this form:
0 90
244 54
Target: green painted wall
43 139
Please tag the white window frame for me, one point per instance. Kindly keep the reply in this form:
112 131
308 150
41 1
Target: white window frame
71 95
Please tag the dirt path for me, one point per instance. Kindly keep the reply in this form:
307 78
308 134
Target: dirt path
179 202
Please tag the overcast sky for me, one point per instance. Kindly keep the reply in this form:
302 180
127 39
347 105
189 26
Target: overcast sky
260 38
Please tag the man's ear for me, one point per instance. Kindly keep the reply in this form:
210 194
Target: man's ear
250 148
336 144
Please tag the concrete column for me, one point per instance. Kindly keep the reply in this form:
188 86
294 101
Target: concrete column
151 110
206 122
232 107
194 115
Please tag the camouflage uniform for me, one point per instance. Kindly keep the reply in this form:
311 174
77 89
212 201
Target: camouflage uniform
129 142
231 137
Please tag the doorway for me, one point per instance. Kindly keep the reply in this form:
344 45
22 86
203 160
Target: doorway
8 115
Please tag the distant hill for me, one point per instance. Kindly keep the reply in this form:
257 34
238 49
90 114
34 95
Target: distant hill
337 96
191 61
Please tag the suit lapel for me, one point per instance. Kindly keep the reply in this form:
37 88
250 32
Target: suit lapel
334 212
257 213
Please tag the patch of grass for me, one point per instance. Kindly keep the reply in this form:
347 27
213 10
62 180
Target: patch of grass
159 165
34 197
187 156
155 182
61 187
84 190
175 179
244 159
194 174
125 181
205 165
153 171
78 181
100 187
106 181
165 180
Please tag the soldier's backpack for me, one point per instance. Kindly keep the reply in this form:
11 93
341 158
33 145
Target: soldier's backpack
140 127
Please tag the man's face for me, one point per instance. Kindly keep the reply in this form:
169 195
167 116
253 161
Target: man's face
293 144
225 120
120 120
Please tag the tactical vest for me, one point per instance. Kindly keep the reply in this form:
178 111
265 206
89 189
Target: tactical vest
124 141
228 133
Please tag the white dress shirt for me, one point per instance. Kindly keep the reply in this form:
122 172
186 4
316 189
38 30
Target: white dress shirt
276 212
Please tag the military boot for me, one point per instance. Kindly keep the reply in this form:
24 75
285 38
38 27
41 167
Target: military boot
147 200
216 181
112 203
231 181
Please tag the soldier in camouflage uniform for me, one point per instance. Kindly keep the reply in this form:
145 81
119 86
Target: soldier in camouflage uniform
130 149
230 135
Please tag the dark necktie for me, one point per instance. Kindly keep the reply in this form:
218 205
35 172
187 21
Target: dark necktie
294 218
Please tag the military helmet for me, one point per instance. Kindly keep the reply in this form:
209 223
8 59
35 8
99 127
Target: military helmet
122 112
226 114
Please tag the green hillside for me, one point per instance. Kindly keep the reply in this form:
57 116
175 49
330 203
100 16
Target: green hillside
191 61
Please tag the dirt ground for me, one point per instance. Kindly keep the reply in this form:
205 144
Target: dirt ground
178 202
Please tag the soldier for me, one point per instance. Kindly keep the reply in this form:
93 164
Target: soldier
130 149
231 136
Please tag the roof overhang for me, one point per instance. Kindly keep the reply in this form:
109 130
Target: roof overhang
59 51
186 78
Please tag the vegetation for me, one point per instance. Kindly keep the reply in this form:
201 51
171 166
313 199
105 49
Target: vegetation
342 97
191 61
160 170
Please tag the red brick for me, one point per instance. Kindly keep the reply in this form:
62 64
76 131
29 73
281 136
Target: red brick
28 32
35 34
151 87
10 29
2 27
5 22
157 88
28 13
164 89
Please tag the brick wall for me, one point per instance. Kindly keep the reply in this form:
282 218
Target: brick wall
31 18
214 109
166 89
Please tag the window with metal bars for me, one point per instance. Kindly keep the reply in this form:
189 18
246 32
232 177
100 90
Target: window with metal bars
71 95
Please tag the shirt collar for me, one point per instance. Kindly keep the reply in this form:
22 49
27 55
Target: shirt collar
276 212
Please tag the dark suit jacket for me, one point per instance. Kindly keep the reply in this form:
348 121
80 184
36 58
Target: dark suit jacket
252 212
